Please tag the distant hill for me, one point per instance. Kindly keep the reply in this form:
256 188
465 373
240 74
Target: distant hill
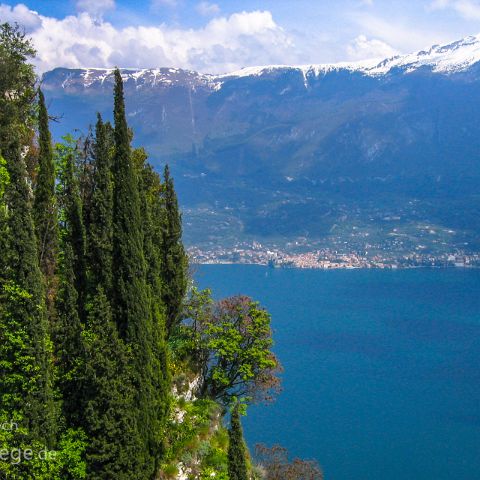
383 154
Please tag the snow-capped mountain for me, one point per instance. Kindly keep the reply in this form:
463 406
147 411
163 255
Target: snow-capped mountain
291 150
455 57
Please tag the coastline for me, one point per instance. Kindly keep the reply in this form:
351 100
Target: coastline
340 267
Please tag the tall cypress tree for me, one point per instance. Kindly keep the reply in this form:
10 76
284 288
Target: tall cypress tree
132 303
175 260
45 210
100 242
237 464
152 206
71 299
74 230
26 380
68 344
108 415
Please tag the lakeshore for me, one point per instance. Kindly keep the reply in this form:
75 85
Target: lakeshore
326 259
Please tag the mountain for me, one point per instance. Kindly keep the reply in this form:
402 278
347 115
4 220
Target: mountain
370 155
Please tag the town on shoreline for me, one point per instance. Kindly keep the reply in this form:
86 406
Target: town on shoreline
326 259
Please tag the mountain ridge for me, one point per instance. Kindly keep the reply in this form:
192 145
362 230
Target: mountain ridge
279 152
448 58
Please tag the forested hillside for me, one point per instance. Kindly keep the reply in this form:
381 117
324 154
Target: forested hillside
112 364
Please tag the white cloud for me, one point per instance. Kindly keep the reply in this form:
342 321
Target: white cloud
96 8
207 9
362 48
222 45
20 14
468 9
399 33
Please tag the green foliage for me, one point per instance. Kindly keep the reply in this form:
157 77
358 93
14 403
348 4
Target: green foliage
68 344
44 209
73 230
237 461
135 311
231 342
22 460
24 314
175 260
4 181
114 449
197 439
101 213
17 86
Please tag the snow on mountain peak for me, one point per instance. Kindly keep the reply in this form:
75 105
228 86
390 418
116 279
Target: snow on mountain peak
450 58
454 57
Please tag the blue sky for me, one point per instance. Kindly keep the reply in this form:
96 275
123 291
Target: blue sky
225 35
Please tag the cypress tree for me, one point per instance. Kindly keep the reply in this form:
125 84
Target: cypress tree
45 211
175 260
109 417
26 380
128 261
74 230
152 206
101 217
68 345
237 464
132 303
71 299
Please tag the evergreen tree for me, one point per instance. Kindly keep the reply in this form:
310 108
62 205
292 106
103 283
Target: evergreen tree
68 345
175 260
237 464
45 211
109 417
72 292
128 261
26 361
132 302
101 217
74 230
152 206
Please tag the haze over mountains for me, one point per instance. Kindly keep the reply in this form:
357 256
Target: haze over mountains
372 155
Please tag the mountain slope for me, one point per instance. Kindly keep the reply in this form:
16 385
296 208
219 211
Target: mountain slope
325 152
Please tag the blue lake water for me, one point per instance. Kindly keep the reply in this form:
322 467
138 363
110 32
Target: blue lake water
382 368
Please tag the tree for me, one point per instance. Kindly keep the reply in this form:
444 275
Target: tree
27 394
17 88
114 449
26 361
231 340
151 204
175 260
45 210
101 214
68 335
73 228
276 464
133 307
237 463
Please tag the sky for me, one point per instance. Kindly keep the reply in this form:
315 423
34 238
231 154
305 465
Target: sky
222 36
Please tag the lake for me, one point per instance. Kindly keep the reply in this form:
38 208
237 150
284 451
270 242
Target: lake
382 368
